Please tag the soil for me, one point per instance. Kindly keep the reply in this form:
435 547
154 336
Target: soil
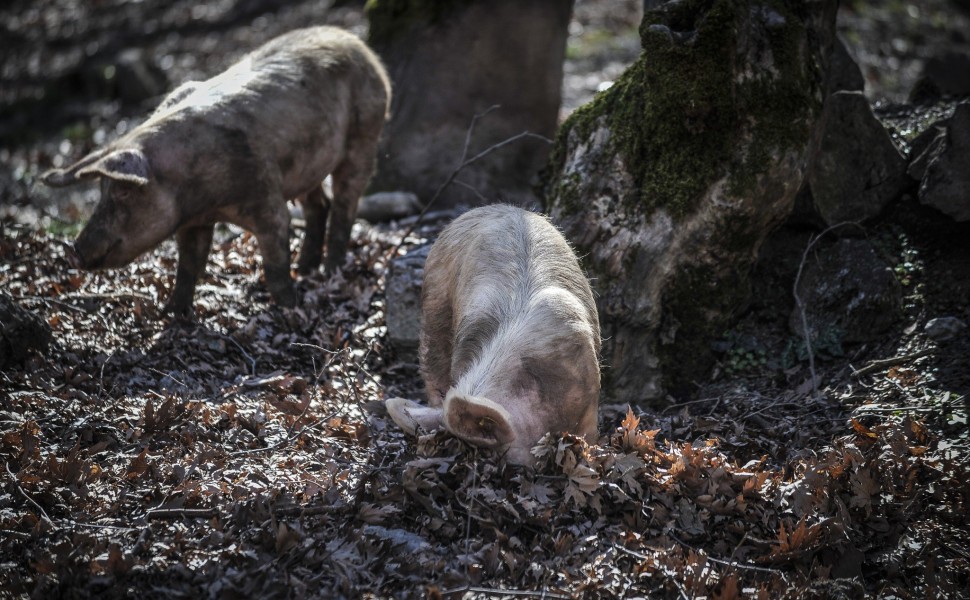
246 452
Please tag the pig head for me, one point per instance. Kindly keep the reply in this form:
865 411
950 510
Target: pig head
235 148
510 336
131 218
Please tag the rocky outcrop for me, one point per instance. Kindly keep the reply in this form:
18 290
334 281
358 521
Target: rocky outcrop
941 163
669 181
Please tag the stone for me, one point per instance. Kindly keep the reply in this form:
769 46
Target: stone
943 76
848 293
844 72
944 166
405 277
943 329
21 332
857 170
388 206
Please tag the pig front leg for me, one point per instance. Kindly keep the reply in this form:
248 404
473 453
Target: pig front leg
316 204
436 337
193 246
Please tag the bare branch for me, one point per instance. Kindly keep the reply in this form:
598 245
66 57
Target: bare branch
878 365
800 304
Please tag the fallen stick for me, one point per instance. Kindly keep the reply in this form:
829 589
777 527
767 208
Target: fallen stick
877 365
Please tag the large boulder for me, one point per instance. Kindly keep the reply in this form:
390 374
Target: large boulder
941 163
857 170
669 181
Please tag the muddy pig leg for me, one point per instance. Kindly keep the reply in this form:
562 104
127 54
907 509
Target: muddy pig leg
315 207
272 231
193 244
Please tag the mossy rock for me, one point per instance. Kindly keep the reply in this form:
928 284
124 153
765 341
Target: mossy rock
668 182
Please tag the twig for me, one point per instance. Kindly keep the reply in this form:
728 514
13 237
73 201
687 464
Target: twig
866 410
300 511
499 592
800 304
10 533
40 509
878 365
109 296
252 361
54 301
727 563
290 435
158 514
670 407
462 163
472 189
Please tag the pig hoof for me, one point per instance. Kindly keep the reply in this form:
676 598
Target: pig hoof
308 266
304 270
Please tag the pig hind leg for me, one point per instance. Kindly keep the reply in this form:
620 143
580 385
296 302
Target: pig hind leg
349 181
272 234
316 204
193 246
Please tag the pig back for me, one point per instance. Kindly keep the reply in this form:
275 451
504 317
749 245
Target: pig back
505 293
299 100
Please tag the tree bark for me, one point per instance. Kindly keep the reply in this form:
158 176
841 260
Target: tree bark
668 183
450 60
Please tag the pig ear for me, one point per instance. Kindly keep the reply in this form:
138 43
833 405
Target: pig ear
412 417
68 176
121 165
478 421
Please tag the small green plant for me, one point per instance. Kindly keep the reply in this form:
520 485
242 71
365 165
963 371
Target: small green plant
65 229
826 344
739 360
898 250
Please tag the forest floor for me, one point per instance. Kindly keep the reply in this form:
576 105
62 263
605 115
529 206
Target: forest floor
246 453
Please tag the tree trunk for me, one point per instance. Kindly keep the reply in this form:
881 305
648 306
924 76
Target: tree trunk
452 60
669 181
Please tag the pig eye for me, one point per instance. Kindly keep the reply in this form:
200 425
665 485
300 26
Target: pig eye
122 192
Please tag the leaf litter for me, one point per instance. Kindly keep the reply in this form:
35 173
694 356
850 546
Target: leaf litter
246 454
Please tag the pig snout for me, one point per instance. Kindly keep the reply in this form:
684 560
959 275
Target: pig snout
92 252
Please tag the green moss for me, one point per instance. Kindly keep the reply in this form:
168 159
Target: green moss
679 115
390 17
695 108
